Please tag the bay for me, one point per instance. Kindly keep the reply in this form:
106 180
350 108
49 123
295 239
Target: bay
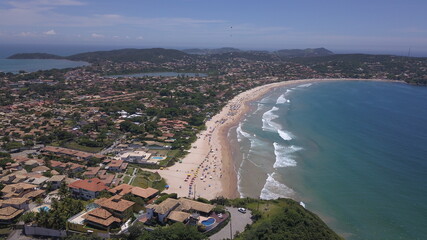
353 152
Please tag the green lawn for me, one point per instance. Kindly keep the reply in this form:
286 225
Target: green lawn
126 179
172 153
146 179
129 170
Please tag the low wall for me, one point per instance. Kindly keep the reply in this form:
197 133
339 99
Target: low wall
40 231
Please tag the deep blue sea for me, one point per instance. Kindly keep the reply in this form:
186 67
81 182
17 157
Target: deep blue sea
354 152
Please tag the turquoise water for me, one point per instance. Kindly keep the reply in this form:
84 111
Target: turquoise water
45 208
160 74
33 65
354 152
208 222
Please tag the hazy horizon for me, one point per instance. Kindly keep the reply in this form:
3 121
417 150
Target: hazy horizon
362 26
7 50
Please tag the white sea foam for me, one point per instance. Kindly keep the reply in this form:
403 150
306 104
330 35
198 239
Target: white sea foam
239 178
241 134
284 155
306 85
267 120
273 189
287 136
281 99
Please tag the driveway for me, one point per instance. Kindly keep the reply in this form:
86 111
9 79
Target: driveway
238 223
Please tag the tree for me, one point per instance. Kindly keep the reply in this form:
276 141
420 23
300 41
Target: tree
177 231
63 191
39 201
135 231
27 217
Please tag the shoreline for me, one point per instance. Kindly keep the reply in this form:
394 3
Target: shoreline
208 170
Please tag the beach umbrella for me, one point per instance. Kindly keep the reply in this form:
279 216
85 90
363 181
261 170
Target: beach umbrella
166 186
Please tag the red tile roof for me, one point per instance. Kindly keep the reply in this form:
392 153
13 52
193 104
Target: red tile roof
144 192
93 185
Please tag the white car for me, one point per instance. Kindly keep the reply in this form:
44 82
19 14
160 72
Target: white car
242 210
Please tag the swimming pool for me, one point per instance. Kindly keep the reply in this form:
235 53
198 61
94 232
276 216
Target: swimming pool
44 208
209 221
157 158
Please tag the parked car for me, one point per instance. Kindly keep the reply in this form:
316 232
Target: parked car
242 210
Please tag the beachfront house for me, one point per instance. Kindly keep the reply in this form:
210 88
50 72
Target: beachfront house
135 156
177 210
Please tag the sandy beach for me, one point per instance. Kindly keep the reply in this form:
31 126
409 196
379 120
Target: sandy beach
208 171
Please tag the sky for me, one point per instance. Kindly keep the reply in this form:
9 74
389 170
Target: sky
339 25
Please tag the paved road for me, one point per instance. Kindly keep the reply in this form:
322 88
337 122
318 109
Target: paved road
238 223
18 235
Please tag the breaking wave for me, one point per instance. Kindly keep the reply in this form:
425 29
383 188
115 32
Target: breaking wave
273 189
287 136
267 120
284 155
306 85
281 99
241 134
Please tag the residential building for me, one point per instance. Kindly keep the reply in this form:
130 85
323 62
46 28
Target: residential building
18 203
17 190
8 214
88 188
117 165
177 209
56 181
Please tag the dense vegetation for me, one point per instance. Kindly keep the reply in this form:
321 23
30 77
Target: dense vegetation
57 216
280 219
177 231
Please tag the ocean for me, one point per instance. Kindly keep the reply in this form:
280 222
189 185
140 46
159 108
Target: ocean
354 152
33 65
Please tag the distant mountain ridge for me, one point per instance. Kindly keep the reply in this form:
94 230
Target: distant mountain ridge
155 55
206 51
161 55
308 52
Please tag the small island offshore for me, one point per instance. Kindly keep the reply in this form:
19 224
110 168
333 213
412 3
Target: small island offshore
85 154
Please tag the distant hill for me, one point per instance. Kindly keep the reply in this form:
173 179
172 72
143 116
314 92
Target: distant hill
250 55
35 56
309 52
206 51
155 55
161 55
